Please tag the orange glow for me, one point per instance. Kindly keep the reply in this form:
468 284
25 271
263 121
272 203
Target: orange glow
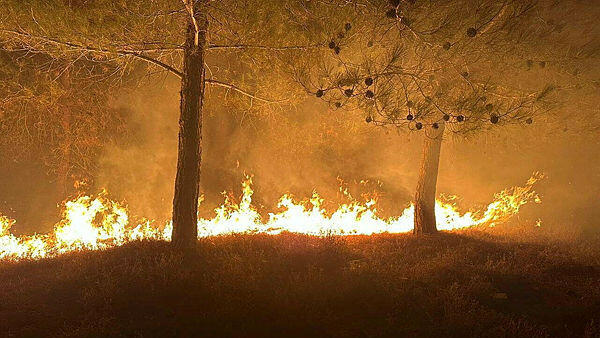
95 223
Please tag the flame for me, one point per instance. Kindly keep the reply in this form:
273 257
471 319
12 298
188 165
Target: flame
96 223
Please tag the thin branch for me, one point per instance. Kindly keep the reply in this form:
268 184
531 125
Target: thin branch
277 48
240 90
122 52
190 9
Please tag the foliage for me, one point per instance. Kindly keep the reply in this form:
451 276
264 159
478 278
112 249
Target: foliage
417 64
107 46
51 108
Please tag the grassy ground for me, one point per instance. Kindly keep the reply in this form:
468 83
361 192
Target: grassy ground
458 284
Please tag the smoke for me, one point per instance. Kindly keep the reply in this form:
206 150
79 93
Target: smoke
313 148
299 149
140 167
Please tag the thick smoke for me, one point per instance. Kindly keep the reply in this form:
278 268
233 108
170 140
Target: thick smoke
312 147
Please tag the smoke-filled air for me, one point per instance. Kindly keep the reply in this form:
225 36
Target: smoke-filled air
300 168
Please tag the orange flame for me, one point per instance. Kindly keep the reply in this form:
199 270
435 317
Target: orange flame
95 223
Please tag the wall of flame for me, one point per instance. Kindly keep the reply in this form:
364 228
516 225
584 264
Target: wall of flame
97 222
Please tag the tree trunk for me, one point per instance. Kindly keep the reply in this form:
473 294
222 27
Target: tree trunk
185 200
425 222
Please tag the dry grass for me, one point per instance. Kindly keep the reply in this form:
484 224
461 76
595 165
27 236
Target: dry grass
460 284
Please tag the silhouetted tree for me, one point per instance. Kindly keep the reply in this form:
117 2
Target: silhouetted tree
226 44
438 67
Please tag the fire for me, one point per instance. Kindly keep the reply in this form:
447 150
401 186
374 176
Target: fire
96 223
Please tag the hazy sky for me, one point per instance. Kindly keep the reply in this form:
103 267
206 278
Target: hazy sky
309 147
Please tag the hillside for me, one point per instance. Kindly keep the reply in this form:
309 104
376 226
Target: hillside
457 284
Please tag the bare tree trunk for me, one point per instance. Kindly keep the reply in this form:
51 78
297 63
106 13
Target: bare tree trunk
185 200
425 222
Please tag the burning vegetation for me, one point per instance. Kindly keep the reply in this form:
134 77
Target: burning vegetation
448 72
92 223
166 103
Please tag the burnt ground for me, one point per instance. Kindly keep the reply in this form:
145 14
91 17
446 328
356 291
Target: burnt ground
464 284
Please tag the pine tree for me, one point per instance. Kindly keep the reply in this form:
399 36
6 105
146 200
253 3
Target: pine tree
446 69
244 41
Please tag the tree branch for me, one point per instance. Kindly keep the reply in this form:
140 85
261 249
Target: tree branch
189 6
277 48
122 52
240 90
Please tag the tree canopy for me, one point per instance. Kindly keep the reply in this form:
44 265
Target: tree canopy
467 64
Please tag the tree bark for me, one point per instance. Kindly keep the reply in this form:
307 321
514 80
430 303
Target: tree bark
425 222
185 200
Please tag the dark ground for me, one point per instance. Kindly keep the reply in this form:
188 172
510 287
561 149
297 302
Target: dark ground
450 285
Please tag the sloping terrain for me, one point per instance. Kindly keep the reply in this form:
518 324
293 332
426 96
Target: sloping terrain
457 284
